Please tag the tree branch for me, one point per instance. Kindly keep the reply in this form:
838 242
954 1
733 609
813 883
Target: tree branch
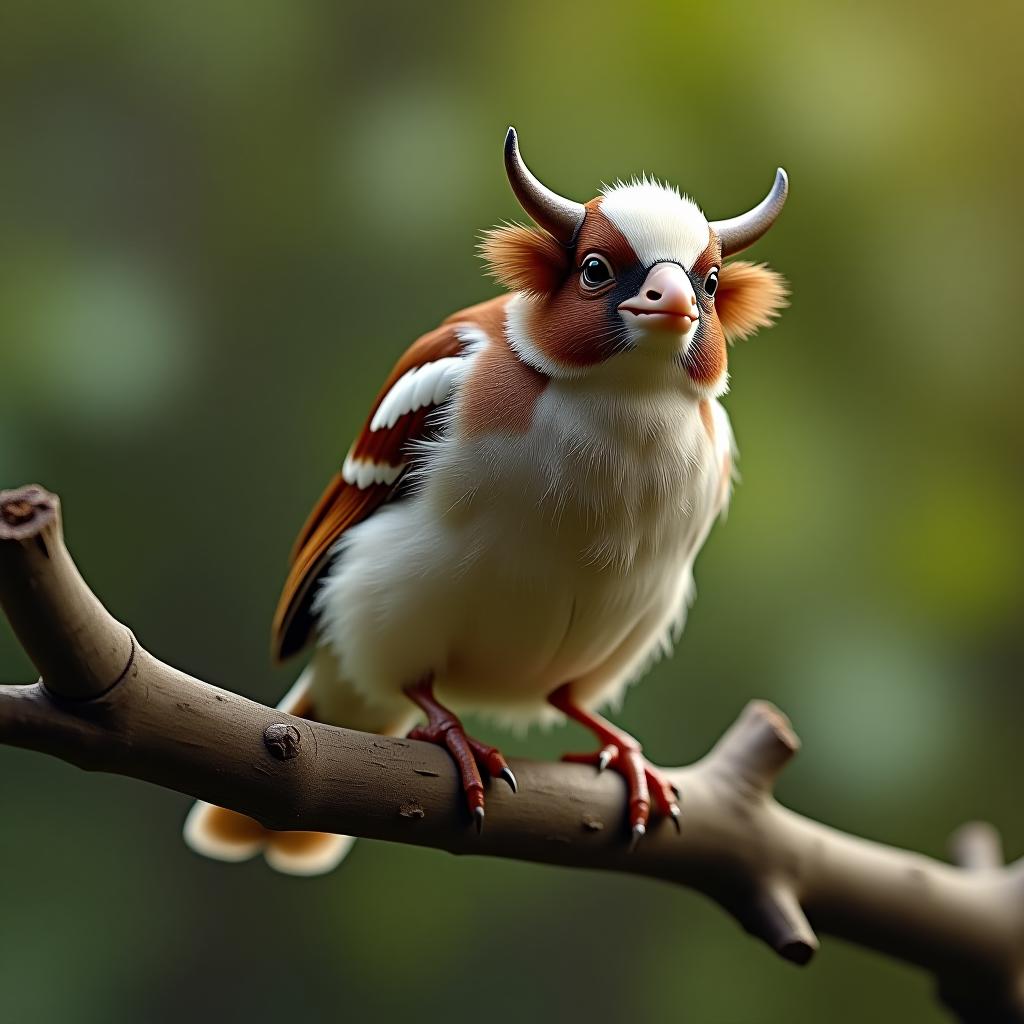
105 704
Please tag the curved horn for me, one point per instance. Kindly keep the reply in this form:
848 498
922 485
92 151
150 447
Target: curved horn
739 232
558 216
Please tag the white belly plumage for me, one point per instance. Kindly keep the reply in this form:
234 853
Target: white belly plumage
561 555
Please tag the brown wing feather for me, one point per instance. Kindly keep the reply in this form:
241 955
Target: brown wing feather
343 505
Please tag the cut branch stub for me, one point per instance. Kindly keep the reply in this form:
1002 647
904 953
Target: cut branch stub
757 746
57 618
25 511
777 917
977 846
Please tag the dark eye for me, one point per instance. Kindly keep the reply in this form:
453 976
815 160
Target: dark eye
596 271
711 282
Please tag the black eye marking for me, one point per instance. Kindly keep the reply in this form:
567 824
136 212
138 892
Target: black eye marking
595 271
711 282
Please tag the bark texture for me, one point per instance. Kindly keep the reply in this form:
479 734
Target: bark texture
105 704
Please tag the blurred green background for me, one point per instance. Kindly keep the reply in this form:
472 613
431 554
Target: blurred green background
220 223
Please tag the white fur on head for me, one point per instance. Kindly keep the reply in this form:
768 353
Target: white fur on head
658 222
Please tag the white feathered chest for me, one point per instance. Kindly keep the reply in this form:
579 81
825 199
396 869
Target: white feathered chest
523 561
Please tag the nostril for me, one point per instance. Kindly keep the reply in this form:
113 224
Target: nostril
653 295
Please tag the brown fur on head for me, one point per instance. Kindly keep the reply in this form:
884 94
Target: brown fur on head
525 259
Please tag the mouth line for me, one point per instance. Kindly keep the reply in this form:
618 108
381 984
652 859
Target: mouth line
660 314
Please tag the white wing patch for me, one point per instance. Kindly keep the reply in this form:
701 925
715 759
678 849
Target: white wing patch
429 384
365 472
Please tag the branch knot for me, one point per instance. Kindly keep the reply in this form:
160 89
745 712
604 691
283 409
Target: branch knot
282 740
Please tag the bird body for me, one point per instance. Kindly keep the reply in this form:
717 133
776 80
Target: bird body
514 530
523 558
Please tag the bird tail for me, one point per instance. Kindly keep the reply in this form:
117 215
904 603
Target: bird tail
232 837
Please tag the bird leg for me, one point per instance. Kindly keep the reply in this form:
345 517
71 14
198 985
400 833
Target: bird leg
625 755
445 729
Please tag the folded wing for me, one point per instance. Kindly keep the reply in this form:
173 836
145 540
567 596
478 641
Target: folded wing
422 380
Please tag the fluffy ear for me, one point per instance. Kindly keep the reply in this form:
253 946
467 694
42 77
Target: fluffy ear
749 296
525 259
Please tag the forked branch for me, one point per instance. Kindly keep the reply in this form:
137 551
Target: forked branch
104 703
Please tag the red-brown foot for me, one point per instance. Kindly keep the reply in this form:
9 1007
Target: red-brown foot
624 754
445 729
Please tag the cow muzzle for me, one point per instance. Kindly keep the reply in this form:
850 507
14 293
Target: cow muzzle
666 301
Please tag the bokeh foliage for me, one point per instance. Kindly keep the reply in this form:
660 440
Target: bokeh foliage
220 223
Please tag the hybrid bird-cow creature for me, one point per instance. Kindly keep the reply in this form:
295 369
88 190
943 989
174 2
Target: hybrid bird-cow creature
514 530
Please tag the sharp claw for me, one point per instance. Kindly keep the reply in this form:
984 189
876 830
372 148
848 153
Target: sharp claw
604 759
673 809
639 831
506 774
478 815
